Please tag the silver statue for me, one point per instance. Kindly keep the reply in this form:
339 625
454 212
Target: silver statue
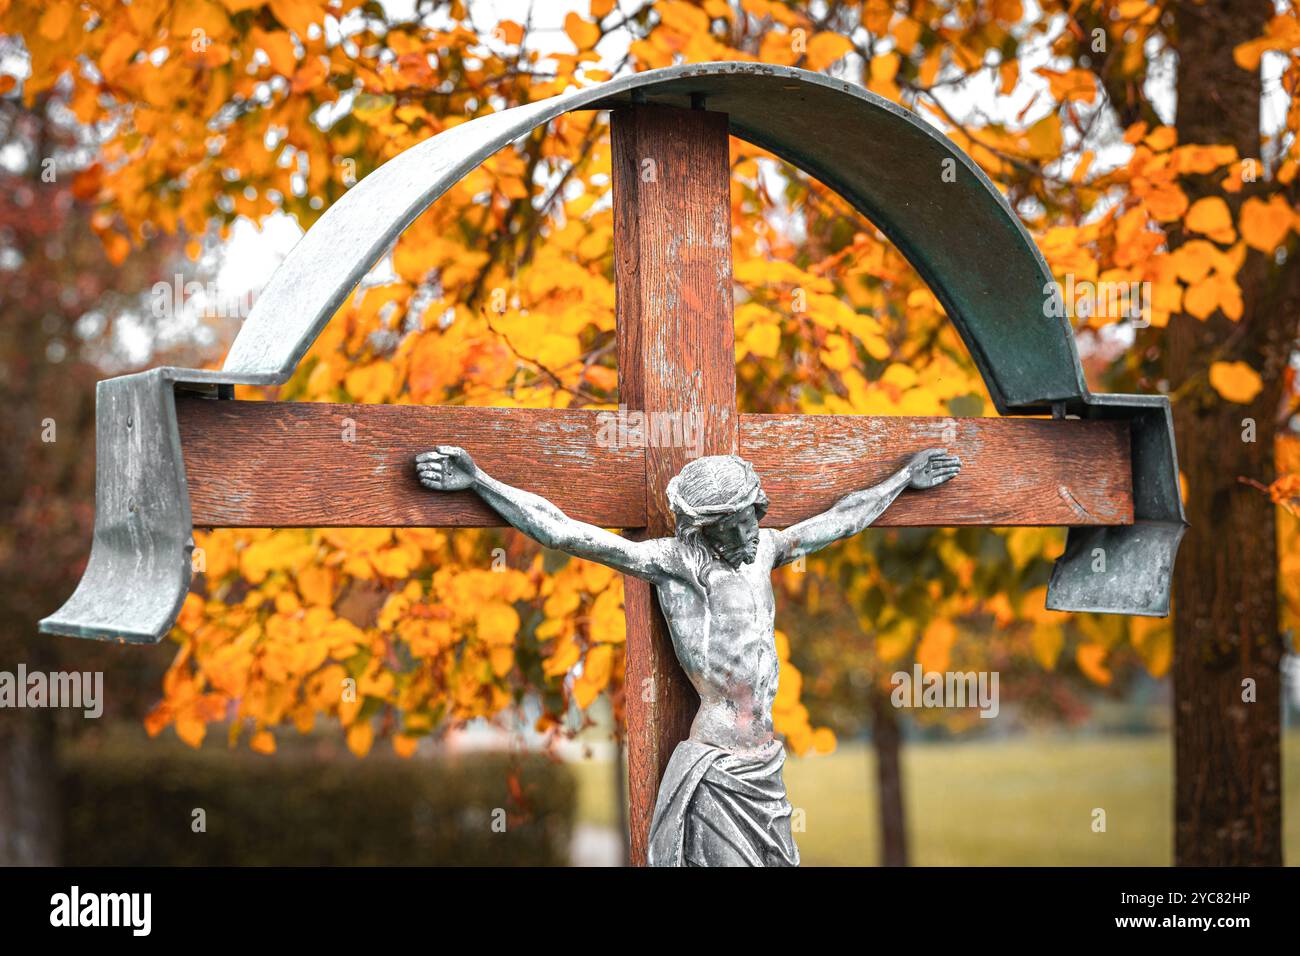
722 801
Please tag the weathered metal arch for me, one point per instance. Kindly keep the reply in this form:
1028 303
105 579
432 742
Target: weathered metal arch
924 193
958 232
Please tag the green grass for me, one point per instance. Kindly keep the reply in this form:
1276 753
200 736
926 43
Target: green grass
1027 801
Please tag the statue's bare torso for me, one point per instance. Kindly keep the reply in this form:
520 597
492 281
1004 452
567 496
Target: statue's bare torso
725 642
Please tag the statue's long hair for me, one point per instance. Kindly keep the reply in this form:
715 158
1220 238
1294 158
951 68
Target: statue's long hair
705 492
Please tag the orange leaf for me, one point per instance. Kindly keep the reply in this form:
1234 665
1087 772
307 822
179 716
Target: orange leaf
583 33
825 48
1235 381
1091 659
116 247
1210 216
361 736
1264 225
510 32
297 15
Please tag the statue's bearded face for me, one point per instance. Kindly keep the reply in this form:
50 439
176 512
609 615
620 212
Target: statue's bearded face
734 538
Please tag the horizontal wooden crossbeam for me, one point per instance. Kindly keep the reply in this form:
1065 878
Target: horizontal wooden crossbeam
287 464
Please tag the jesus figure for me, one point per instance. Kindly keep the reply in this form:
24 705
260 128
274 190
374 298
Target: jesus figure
722 801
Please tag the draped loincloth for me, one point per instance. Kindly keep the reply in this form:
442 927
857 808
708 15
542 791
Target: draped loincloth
721 808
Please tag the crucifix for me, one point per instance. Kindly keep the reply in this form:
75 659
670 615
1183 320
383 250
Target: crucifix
722 799
175 451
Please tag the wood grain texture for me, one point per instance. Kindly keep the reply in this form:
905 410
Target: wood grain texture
284 464
676 357
289 464
1014 471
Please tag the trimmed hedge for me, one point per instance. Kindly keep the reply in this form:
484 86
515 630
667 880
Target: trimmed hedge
134 805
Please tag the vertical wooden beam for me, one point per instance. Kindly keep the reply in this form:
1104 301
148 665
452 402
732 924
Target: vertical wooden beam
676 355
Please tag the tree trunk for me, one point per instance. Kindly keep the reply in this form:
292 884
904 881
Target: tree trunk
1227 748
28 789
889 778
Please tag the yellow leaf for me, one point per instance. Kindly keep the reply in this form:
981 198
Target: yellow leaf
599 664
825 48
837 355
1194 260
823 740
1235 381
682 18
1265 224
1043 139
1025 544
497 623
764 340
279 49
1166 204
936 646
56 19
1162 138
191 18
1210 216
263 742
316 585
1215 291
192 730
608 623
1008 76
596 671
510 32
583 33
906 32
297 15
1046 642
1247 55
116 246
396 562
892 644
372 384
502 660
1091 659
566 654
1153 640
361 736
1071 84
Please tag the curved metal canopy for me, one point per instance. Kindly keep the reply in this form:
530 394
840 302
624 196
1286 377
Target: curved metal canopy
925 194
957 231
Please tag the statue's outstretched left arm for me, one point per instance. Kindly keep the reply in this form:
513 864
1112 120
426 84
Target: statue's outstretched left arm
449 468
854 512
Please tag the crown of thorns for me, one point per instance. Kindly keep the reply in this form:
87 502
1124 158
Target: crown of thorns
702 494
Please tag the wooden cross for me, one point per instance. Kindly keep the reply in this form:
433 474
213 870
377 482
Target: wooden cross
672 215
